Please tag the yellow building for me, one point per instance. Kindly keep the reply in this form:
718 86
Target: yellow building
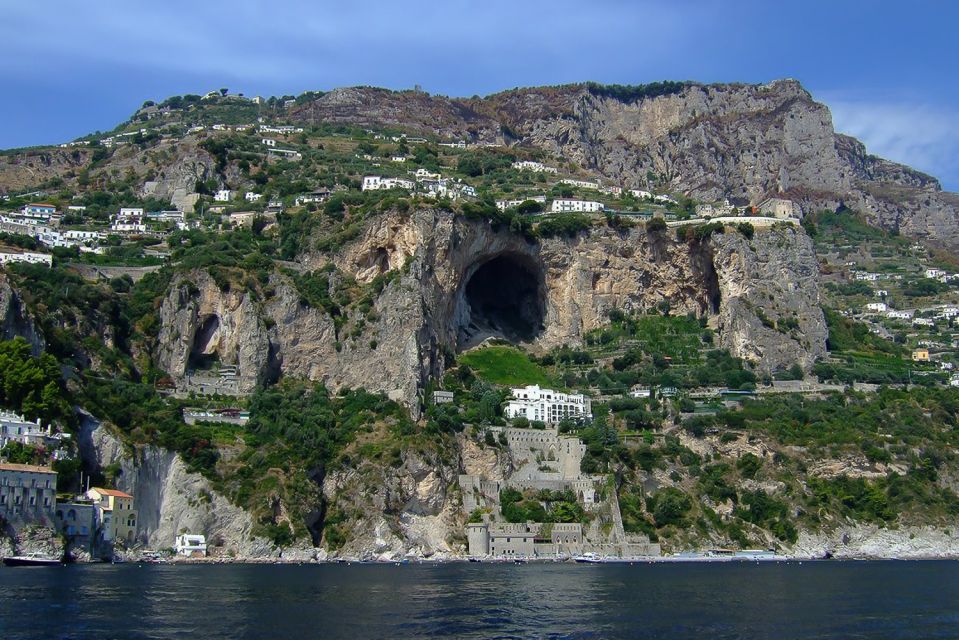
116 515
920 355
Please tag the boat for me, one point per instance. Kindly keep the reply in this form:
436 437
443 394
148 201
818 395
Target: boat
589 558
34 559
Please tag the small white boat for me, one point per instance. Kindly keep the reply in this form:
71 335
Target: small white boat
588 558
34 559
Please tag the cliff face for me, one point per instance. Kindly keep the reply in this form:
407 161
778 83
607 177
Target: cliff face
737 141
457 282
15 319
169 499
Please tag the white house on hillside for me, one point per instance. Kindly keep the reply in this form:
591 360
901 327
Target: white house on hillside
578 206
223 195
545 405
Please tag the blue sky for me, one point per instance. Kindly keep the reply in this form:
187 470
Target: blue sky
886 69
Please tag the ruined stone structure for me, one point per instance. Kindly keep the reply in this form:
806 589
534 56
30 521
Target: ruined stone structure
542 459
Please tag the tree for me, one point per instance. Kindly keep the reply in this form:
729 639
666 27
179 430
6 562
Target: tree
671 507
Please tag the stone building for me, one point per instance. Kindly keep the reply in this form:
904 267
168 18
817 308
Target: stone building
524 540
28 494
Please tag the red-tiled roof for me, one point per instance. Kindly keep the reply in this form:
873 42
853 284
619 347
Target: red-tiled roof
25 467
111 492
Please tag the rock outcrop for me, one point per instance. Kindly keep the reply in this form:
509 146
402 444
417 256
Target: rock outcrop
737 141
15 319
761 294
171 500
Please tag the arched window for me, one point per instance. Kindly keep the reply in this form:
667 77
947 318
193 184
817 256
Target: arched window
71 515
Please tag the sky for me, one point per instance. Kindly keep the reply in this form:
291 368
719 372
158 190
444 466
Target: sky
887 70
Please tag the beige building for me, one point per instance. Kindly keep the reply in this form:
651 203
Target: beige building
116 515
28 494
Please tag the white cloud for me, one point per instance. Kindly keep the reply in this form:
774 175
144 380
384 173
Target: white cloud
921 136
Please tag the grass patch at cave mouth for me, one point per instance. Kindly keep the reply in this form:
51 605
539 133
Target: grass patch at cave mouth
500 364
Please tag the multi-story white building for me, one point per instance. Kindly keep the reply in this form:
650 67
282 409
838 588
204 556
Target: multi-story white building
642 195
877 307
129 220
503 205
13 254
38 211
252 196
935 274
530 165
16 428
578 206
899 315
373 183
546 405
583 184
223 195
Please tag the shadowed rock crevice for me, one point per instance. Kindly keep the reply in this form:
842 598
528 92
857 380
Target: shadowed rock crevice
205 351
504 297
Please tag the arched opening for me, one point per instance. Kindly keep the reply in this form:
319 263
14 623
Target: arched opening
504 297
204 354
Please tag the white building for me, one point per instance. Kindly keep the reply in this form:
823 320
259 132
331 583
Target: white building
13 254
425 174
289 154
923 322
536 167
269 142
128 220
583 184
38 211
79 235
579 206
935 274
503 205
546 405
252 197
189 544
664 199
223 195
374 183
16 428
877 307
899 315
282 130
642 195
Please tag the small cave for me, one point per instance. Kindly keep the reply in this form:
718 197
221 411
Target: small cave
504 297
204 351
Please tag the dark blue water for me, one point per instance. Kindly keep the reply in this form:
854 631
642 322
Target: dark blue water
733 600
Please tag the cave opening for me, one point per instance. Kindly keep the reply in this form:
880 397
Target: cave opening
504 297
204 353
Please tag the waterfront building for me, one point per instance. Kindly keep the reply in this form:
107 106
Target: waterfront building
116 515
28 494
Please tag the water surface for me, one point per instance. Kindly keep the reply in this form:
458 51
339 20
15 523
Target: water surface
886 600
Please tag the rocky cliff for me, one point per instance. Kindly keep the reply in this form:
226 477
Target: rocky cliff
736 141
456 282
15 318
169 499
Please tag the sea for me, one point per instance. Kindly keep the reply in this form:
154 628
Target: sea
775 600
